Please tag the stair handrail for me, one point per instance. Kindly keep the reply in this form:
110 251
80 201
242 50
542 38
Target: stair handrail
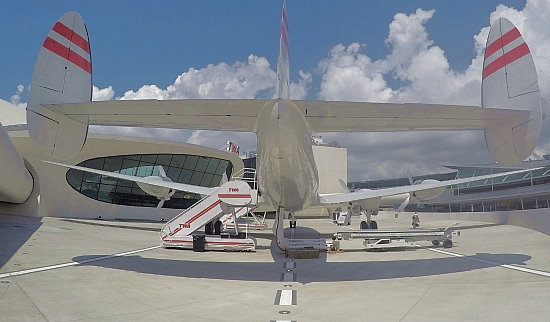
188 209
247 175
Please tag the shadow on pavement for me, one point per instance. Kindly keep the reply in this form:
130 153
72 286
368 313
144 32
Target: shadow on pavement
15 231
311 270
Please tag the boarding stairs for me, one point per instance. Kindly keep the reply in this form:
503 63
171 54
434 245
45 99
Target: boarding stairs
232 199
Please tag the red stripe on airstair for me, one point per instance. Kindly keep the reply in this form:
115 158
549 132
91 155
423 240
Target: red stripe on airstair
192 219
211 242
234 195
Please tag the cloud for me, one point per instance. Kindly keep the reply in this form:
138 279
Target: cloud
16 98
248 79
104 94
423 73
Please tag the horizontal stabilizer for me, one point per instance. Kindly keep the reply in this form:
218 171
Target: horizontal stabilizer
199 114
322 116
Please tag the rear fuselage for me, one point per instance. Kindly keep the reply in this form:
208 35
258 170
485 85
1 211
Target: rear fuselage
287 173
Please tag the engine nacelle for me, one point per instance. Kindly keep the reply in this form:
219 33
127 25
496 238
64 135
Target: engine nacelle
427 194
161 193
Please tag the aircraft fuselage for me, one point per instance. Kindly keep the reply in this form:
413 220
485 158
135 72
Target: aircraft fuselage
287 173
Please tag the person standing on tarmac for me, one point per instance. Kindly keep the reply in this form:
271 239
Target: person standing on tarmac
415 220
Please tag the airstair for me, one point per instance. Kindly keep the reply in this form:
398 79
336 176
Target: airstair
232 199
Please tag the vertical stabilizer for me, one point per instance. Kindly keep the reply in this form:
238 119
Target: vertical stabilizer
283 79
62 74
510 81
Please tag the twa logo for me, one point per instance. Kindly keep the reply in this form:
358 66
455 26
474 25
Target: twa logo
233 189
185 225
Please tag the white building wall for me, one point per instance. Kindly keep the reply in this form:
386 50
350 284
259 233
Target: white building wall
332 163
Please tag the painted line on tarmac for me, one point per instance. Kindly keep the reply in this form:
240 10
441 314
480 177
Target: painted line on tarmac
286 297
84 261
514 267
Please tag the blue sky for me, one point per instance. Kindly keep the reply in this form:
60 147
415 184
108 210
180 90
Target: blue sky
151 42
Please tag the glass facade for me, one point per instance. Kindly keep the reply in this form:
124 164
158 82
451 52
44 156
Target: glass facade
189 169
482 195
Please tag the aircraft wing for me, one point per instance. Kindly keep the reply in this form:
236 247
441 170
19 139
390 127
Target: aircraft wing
166 184
200 114
370 194
337 116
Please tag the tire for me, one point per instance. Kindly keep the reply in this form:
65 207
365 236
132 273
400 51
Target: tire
447 243
364 225
208 228
373 224
218 228
435 242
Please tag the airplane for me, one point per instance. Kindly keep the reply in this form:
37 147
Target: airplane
60 110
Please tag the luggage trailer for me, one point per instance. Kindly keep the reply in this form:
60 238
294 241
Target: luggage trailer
375 238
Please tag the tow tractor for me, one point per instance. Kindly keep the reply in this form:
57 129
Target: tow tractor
374 238
232 199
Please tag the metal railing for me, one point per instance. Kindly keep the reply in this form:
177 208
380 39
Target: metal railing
247 175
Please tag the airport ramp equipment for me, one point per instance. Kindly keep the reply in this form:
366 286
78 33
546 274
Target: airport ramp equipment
234 198
436 236
252 221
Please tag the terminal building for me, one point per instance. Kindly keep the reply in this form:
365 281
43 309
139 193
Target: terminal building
523 191
61 193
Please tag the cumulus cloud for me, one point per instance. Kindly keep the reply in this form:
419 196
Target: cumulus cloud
239 80
425 75
16 98
104 94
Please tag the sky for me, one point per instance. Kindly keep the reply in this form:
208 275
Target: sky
380 51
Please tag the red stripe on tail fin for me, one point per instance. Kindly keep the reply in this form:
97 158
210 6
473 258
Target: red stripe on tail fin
71 36
64 52
506 59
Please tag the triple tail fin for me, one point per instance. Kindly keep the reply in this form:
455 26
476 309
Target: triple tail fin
62 74
283 78
509 81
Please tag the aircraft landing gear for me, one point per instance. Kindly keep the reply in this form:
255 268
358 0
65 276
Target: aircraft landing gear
369 224
292 220
365 225
278 228
373 224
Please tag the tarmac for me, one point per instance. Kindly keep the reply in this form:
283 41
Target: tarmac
55 269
